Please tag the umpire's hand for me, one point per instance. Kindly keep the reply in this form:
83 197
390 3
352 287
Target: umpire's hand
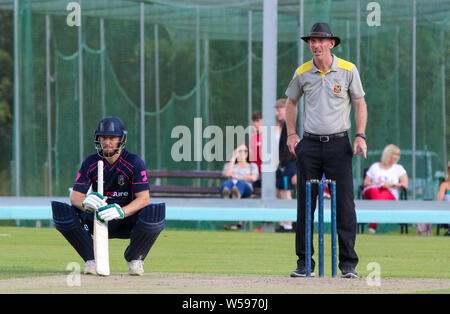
292 142
360 146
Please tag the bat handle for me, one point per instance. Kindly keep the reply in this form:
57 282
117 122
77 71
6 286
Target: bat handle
100 177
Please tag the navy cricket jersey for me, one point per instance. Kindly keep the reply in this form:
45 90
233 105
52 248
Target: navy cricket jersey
121 180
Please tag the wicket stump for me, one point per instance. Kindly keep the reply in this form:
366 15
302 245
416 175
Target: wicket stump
308 226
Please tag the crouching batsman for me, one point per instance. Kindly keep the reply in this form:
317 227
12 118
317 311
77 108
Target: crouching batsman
124 205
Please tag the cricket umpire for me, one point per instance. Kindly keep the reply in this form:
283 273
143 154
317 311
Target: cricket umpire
330 85
124 205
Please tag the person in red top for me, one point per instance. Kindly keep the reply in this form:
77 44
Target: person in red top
256 144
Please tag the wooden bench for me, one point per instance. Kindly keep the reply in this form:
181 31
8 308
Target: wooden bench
159 187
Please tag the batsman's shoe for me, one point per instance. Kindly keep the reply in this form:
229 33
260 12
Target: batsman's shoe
301 272
349 273
136 267
89 267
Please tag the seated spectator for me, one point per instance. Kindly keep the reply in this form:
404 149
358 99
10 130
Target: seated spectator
444 188
444 192
384 179
241 174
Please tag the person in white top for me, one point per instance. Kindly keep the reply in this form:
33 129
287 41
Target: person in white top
444 194
384 179
240 173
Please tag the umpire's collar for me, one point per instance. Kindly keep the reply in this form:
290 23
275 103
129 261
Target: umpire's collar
334 65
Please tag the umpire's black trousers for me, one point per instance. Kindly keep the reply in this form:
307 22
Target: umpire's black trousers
334 158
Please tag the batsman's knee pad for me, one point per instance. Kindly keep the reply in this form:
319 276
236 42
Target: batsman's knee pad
152 218
65 216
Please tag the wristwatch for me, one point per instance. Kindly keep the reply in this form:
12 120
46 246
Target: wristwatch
361 135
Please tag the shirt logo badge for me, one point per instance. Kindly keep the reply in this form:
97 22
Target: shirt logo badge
337 89
121 180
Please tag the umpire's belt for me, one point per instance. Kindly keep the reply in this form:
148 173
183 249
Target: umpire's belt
324 138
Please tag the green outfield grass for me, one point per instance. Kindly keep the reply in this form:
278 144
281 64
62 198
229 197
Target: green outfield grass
43 251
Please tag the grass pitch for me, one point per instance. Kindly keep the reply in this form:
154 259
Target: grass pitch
30 252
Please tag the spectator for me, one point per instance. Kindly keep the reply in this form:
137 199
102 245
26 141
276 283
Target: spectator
241 174
286 175
384 179
444 192
444 188
256 144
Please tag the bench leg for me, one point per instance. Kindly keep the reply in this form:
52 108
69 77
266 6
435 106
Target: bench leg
360 228
403 228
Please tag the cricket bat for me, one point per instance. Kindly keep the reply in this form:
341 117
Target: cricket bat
101 250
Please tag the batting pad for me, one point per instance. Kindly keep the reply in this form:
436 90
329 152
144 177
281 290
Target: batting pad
64 216
151 221
152 218
68 223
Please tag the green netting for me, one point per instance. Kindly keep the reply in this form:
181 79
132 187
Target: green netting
196 64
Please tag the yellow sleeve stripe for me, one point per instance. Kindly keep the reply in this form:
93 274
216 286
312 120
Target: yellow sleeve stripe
304 67
345 64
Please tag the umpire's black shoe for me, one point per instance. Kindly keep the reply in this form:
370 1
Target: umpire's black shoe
349 273
301 272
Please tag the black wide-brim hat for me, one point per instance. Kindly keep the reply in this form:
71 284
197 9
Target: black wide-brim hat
322 30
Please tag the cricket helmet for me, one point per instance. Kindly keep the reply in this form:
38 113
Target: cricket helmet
110 126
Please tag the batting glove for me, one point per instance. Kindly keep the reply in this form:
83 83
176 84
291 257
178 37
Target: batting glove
94 201
110 212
